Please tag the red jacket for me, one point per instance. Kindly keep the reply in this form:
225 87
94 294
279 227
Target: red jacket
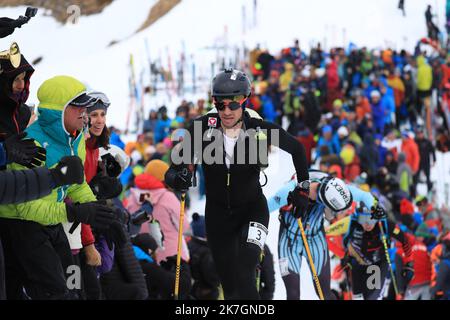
445 75
422 263
332 76
309 143
406 207
335 245
91 162
90 170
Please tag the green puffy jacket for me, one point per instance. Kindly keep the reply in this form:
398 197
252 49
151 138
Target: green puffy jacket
424 74
49 132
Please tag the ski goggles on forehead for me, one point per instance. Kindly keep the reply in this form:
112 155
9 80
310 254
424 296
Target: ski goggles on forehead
366 218
233 103
99 97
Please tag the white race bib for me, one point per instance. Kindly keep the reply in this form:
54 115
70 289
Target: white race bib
257 234
284 266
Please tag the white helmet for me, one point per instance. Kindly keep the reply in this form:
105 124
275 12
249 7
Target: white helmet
317 174
334 194
118 154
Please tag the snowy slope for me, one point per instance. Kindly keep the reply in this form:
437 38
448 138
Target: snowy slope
81 50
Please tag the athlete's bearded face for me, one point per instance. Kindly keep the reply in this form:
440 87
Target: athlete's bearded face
230 110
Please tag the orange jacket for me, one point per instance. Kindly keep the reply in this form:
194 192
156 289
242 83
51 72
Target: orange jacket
411 150
362 109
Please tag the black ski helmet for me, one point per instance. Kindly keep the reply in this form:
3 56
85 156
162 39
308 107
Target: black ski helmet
231 82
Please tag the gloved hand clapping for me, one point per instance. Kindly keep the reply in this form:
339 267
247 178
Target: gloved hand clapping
179 179
20 21
378 212
299 198
68 171
24 151
115 234
92 213
105 187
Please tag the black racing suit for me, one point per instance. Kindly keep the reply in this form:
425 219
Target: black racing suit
234 198
365 250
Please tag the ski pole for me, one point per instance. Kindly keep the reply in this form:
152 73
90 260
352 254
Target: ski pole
348 281
388 259
311 262
180 242
258 271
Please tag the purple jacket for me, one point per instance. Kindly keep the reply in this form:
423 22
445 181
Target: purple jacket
106 254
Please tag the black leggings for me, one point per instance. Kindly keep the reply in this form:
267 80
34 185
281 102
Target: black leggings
426 170
235 258
360 281
292 284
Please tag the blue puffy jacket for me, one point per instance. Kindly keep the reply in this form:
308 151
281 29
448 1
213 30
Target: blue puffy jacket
161 129
269 112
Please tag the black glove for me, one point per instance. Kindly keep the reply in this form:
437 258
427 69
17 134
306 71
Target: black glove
112 166
170 264
20 21
378 212
105 187
115 234
68 171
179 180
346 262
408 272
24 152
299 198
7 26
96 215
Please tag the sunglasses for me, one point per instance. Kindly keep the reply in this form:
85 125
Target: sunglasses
233 103
366 218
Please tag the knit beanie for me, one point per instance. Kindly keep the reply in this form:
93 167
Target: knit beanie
157 168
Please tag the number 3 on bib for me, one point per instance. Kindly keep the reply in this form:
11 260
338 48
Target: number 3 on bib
257 234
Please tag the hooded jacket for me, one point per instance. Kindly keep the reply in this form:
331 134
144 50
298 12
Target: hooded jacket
14 115
424 74
404 173
166 209
49 132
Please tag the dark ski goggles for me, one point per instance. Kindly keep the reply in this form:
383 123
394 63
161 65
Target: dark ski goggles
366 218
233 103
